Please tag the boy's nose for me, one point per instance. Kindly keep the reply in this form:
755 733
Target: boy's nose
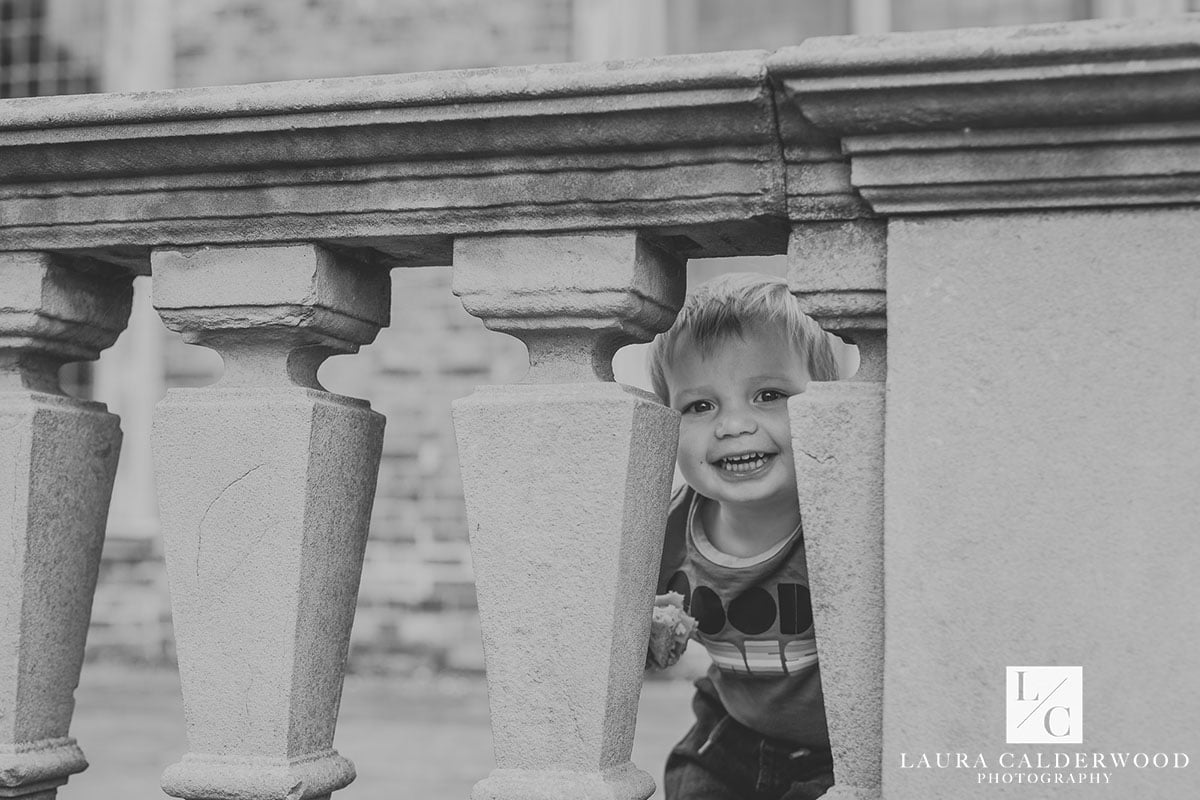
735 424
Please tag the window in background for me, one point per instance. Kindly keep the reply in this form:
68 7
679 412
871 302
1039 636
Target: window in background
50 47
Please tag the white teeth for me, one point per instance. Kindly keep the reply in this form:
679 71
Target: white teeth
747 462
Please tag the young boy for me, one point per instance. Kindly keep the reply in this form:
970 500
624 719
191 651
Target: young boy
734 548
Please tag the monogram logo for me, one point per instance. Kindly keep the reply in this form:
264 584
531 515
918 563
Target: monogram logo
1045 705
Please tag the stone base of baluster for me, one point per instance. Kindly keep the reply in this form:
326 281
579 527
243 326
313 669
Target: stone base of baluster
43 790
200 776
853 793
625 782
35 770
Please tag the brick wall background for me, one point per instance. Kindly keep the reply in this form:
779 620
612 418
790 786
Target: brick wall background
416 606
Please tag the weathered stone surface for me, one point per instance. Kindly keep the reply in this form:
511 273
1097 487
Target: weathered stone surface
303 304
684 147
567 488
265 485
816 171
837 442
1042 454
55 483
59 459
265 498
932 80
838 272
567 485
1044 116
687 149
54 310
574 299
1111 166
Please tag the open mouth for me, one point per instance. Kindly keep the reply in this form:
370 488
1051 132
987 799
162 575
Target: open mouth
743 462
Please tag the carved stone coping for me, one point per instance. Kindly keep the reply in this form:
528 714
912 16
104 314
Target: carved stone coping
54 310
273 313
684 148
573 299
1045 116
688 150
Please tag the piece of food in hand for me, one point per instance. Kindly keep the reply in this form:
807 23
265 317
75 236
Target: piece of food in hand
670 629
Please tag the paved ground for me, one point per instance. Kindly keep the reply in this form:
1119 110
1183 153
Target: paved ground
425 738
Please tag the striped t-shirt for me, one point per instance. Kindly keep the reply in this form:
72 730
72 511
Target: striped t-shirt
755 619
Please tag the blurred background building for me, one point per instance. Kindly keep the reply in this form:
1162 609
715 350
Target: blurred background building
417 604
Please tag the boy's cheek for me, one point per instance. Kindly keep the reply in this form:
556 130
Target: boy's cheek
690 470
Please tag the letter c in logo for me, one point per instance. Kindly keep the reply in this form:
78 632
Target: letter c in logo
1047 721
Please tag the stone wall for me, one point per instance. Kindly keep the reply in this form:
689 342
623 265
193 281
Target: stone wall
1068 543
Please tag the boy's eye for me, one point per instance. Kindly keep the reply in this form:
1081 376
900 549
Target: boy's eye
770 395
697 407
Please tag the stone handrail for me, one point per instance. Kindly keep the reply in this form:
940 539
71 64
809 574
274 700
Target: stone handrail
568 199
400 165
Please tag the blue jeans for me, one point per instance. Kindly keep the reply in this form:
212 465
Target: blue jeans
721 759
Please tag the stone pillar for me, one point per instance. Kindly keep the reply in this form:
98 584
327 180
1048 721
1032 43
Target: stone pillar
567 478
59 455
837 270
265 489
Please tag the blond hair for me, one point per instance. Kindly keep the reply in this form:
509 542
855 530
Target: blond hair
726 306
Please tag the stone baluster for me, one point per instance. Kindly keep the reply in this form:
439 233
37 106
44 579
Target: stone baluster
837 270
265 486
58 455
567 479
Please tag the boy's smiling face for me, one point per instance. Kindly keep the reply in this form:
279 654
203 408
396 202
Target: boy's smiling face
735 442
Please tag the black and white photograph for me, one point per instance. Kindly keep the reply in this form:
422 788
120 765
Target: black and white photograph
600 399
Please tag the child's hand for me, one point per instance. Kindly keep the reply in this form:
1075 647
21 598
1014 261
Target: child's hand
670 629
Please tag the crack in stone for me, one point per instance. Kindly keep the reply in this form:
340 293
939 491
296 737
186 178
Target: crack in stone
819 459
204 516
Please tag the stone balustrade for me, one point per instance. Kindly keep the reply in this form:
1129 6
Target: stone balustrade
954 203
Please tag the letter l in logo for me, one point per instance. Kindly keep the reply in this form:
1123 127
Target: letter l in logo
1021 687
